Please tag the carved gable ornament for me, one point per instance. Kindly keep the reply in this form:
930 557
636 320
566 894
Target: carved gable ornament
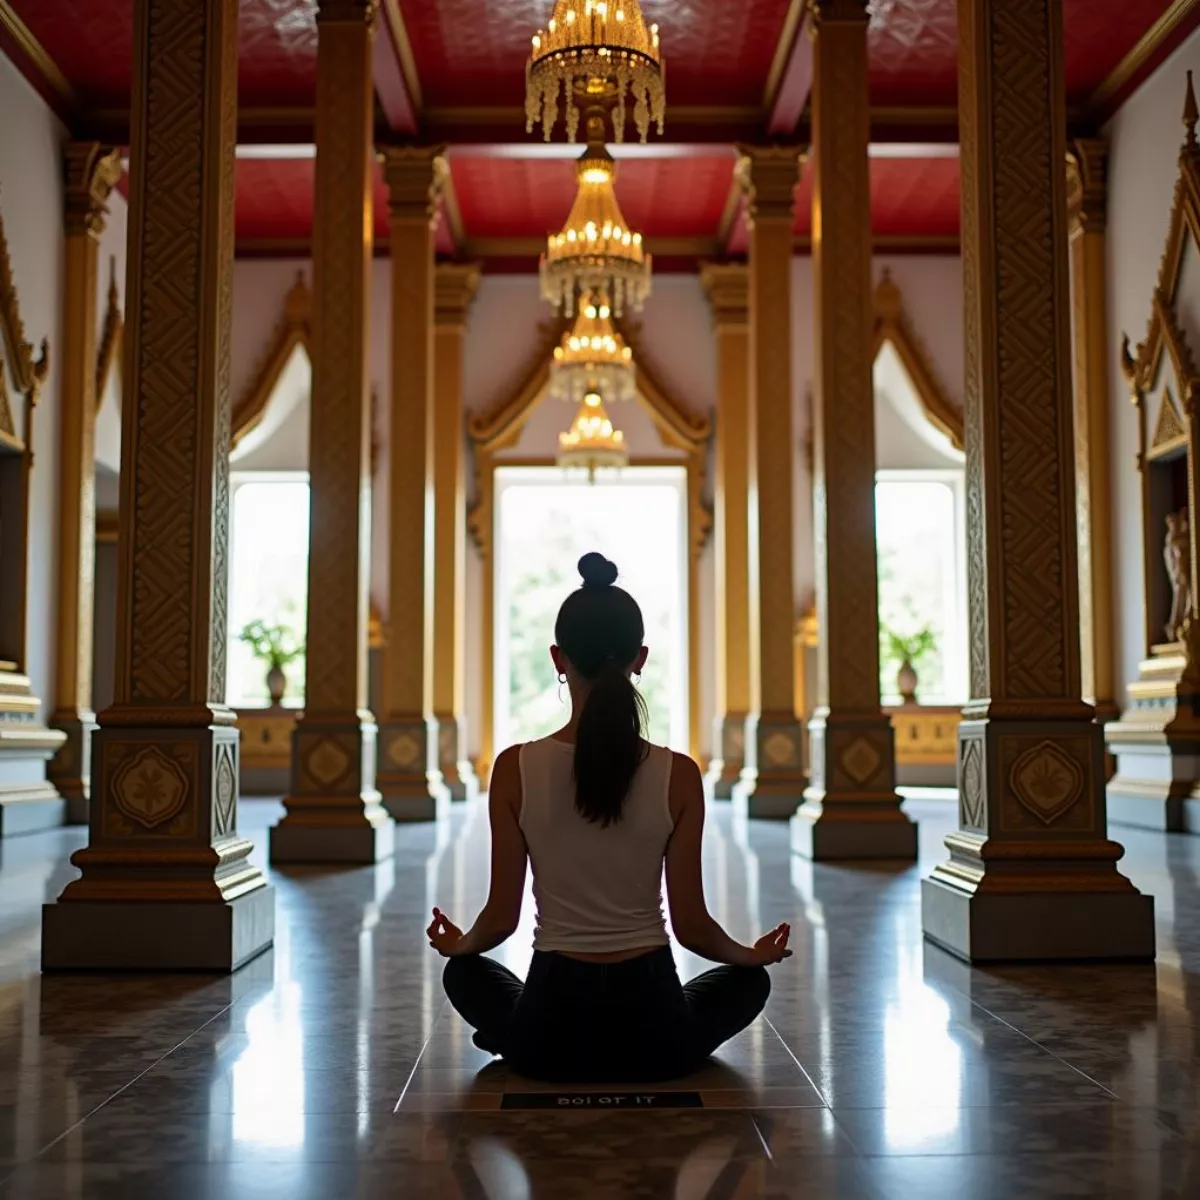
18 365
1166 342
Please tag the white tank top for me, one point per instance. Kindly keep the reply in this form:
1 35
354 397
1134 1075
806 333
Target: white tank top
597 890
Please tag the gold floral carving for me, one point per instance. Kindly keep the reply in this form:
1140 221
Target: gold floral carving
28 372
893 327
150 788
292 330
92 171
1046 781
1169 428
111 335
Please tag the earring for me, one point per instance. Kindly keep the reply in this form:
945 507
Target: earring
562 677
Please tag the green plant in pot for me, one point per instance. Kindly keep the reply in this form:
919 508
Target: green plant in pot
909 650
275 646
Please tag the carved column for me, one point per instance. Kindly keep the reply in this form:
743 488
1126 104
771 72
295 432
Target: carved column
1087 202
773 778
454 289
166 883
92 171
1031 873
408 775
852 809
333 810
728 289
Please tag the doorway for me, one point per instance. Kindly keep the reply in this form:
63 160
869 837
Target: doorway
546 520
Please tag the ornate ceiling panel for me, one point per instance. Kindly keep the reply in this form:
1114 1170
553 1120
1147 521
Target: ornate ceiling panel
470 52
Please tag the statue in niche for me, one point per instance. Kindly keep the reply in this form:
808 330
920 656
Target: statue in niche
1177 556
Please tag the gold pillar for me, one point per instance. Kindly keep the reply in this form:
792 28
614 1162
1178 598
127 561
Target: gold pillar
92 171
1031 873
773 777
408 775
728 289
454 289
333 810
166 884
1087 196
852 809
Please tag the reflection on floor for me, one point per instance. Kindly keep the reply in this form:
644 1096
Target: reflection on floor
332 1068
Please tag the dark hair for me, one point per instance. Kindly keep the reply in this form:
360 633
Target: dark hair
600 629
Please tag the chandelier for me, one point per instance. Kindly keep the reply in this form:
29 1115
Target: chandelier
592 357
601 50
596 251
592 442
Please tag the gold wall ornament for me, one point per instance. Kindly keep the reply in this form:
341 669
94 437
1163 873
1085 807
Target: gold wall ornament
333 810
893 327
1031 872
498 429
148 876
293 330
596 251
596 50
1160 721
91 172
111 335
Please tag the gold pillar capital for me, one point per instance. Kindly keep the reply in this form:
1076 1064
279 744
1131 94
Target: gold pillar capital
769 176
350 12
92 171
455 286
414 176
727 286
1087 185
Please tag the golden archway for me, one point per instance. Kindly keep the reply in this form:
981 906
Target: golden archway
499 429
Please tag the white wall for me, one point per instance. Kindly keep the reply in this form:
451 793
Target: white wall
1146 135
31 201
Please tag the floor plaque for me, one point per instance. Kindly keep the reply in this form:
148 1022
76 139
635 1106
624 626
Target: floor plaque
594 1100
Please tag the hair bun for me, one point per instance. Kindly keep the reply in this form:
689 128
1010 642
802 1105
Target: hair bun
597 571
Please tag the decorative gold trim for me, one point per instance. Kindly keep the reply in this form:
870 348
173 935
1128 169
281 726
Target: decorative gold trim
892 326
1147 46
293 329
499 428
29 373
35 52
111 337
408 62
783 49
107 527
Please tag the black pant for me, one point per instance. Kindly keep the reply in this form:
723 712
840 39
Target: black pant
627 1021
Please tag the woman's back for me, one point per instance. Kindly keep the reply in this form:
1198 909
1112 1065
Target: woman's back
598 888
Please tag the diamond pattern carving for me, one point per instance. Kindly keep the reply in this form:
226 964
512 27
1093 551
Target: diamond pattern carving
861 760
1046 781
327 762
970 785
150 788
225 791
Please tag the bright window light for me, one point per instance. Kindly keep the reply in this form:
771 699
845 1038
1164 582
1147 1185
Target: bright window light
268 577
636 518
920 532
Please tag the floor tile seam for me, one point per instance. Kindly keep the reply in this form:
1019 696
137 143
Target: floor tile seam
1034 1042
811 1082
124 1088
421 1054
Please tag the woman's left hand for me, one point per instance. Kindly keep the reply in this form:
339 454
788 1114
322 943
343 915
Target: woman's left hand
444 936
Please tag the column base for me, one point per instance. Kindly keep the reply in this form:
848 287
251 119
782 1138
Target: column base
458 775
157 936
334 814
30 808
830 836
1061 926
852 811
725 768
70 768
772 783
409 779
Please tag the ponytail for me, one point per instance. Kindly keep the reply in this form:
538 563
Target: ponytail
608 745
600 630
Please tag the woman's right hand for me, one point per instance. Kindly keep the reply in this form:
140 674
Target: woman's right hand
771 948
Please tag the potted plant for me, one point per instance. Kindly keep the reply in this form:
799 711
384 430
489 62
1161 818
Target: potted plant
275 646
908 650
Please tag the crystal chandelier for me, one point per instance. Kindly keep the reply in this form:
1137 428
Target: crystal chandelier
600 50
596 250
592 357
592 442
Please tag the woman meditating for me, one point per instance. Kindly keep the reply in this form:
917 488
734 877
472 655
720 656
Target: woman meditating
597 811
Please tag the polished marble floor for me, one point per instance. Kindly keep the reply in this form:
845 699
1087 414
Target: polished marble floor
331 1067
